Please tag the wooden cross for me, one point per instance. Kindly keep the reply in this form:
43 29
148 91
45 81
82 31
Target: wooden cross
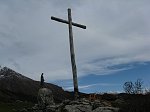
72 54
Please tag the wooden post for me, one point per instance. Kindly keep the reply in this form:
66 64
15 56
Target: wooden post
72 54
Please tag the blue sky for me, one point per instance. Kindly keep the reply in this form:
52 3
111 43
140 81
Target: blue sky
113 49
112 82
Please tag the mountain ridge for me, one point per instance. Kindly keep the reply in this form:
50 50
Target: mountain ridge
15 86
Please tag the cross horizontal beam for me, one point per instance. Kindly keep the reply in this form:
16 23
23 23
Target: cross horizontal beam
64 21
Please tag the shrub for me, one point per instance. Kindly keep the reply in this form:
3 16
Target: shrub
133 88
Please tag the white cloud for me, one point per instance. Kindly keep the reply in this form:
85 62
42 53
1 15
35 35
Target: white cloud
90 86
117 33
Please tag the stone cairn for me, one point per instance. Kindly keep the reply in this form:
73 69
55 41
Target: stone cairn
45 98
46 104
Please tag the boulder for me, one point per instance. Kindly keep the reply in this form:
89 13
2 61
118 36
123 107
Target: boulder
106 109
78 108
45 97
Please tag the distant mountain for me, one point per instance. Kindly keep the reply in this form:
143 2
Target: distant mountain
15 86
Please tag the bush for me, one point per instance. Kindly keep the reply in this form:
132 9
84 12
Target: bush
128 87
133 88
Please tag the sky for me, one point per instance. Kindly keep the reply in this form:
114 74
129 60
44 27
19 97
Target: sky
112 50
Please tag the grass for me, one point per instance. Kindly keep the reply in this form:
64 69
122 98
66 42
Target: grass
18 105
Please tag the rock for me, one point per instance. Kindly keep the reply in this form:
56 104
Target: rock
106 104
106 109
84 101
24 110
14 110
96 104
119 101
19 101
80 105
51 108
78 108
35 107
45 97
66 102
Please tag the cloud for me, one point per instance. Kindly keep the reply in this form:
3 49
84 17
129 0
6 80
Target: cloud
117 34
90 86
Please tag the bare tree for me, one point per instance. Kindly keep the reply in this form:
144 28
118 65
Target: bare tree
138 86
133 88
128 87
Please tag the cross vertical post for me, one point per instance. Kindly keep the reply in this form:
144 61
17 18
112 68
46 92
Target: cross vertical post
72 53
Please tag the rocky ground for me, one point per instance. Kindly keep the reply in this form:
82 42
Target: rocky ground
47 104
80 105
102 103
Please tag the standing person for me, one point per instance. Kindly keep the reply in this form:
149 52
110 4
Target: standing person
42 80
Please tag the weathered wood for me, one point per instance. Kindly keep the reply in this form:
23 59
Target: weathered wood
72 53
64 21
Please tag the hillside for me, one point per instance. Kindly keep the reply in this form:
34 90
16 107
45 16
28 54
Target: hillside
15 86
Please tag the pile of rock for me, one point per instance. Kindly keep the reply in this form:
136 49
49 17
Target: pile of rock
46 104
81 105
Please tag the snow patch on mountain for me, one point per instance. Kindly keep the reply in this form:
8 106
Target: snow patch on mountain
9 73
